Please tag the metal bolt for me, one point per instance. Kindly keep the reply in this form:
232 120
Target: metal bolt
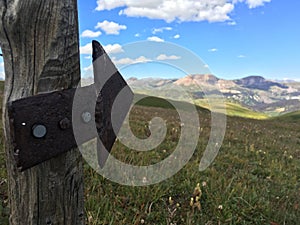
39 131
86 117
17 152
65 124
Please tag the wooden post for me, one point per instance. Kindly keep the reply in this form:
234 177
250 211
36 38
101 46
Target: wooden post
39 40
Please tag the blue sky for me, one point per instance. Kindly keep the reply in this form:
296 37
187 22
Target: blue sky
234 38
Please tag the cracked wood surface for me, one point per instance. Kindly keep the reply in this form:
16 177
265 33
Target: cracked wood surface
39 41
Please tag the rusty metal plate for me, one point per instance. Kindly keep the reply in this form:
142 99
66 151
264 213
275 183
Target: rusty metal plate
42 126
47 110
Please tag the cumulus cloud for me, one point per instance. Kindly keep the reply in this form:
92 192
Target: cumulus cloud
178 10
171 10
231 23
108 5
127 61
110 49
163 57
177 36
110 27
255 3
143 59
156 39
90 34
113 49
86 49
162 29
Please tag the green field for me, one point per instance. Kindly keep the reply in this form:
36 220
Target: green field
255 178
230 108
293 116
233 109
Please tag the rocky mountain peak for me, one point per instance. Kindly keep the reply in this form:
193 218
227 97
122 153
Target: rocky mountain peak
258 82
197 79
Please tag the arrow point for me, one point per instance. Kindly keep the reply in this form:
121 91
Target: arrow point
98 50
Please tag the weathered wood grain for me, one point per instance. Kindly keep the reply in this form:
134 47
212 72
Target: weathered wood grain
39 41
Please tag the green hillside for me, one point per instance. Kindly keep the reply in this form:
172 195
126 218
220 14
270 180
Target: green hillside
291 117
150 101
233 109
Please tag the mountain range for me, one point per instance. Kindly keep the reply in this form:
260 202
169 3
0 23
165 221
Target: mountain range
253 92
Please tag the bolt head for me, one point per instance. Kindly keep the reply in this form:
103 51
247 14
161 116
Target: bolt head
86 117
17 152
65 124
39 131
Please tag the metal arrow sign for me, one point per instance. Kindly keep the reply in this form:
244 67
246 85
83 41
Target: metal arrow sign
44 126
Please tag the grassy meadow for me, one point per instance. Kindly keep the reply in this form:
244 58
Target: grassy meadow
233 109
255 178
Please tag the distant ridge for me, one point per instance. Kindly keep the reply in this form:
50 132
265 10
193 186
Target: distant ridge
189 80
254 92
258 82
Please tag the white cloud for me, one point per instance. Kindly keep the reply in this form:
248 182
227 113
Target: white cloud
241 56
171 10
137 35
178 10
165 57
89 68
113 49
110 49
108 5
127 61
142 59
90 34
86 50
122 61
231 23
177 36
1 64
213 50
88 57
88 71
110 27
162 29
256 3
206 66
156 39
